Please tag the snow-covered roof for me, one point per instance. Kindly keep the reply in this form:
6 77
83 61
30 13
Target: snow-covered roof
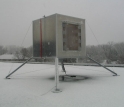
31 86
7 56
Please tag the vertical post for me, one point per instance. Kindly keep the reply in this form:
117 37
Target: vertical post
56 90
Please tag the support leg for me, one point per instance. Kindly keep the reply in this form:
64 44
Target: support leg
18 68
56 90
115 74
63 68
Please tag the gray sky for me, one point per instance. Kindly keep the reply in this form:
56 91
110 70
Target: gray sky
105 17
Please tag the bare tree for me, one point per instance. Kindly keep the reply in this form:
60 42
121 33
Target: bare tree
95 52
24 53
110 52
17 55
12 49
120 50
2 50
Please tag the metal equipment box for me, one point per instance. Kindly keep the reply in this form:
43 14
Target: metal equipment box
59 36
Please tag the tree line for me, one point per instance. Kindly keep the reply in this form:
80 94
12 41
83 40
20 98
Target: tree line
18 52
110 52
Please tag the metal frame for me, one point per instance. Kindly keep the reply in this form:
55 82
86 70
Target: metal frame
57 90
50 40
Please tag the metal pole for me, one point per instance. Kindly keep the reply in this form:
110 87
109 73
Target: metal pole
56 90
18 67
115 74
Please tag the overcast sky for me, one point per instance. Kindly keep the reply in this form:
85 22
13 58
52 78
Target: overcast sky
105 17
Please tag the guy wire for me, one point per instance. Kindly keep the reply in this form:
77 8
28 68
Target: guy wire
21 44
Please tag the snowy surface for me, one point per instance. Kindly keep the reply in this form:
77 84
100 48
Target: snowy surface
7 56
31 87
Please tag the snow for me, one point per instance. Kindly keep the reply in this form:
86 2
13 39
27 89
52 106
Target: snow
7 56
32 85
